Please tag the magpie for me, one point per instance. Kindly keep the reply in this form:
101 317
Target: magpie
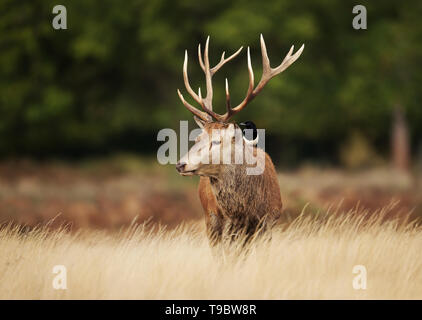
247 133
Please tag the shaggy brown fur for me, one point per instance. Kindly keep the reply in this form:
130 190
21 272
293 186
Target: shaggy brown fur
235 202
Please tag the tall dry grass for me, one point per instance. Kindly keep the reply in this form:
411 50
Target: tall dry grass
311 258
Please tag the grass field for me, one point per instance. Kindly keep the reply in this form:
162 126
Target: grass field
127 228
110 193
311 258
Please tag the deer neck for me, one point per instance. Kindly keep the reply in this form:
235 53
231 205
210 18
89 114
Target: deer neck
231 187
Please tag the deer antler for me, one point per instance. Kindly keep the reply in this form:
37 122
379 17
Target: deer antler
206 103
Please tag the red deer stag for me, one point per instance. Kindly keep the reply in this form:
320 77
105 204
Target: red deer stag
234 202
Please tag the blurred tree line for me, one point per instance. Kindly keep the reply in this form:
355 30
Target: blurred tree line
108 83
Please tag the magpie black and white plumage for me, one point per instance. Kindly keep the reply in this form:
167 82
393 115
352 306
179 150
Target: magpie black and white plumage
246 133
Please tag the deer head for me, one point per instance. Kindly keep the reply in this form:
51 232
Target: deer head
219 136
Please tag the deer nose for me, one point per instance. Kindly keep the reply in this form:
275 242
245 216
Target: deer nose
180 166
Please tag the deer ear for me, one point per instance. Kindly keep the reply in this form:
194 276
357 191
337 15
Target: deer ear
199 122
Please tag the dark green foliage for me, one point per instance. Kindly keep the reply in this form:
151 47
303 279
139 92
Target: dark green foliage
109 81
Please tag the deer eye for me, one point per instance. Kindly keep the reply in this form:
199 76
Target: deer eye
215 142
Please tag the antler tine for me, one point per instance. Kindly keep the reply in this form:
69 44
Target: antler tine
249 94
268 72
266 68
209 72
202 103
224 61
186 80
204 116
208 111
288 60
201 63
228 97
206 103
208 98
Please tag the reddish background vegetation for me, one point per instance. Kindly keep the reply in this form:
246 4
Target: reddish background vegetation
112 194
